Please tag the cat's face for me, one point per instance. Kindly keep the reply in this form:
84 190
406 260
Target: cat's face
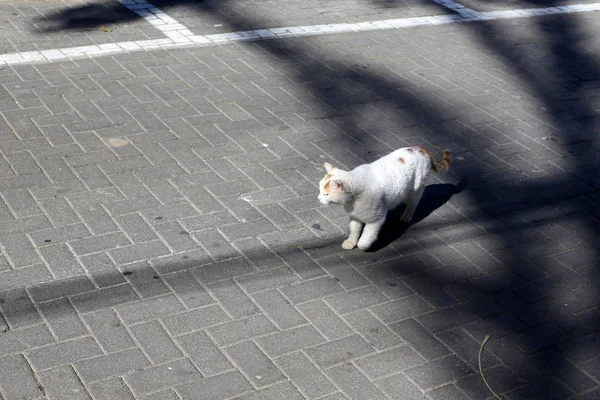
332 188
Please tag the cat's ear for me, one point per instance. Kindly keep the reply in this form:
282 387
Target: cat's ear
328 167
337 185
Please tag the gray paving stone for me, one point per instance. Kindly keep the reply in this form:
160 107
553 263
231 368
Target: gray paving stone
420 339
325 320
155 342
193 320
104 298
343 272
161 376
243 329
20 251
275 306
188 289
99 243
305 375
108 330
399 387
18 380
452 317
226 269
63 353
355 300
149 309
401 309
215 387
278 391
18 309
17 340
372 330
63 319
24 276
204 353
267 279
449 392
111 365
63 383
353 383
59 235
254 364
60 288
218 247
144 279
61 261
258 254
59 211
233 299
339 351
389 362
435 373
183 261
102 270
311 290
142 251
110 389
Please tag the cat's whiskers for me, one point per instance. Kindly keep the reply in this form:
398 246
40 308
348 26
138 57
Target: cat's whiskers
323 207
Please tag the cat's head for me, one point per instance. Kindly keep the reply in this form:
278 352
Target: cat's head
334 187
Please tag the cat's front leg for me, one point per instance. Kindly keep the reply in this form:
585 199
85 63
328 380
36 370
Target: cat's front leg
355 228
370 234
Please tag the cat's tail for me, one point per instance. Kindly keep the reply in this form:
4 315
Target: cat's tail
439 166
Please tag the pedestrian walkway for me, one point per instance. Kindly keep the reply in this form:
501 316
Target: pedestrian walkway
161 235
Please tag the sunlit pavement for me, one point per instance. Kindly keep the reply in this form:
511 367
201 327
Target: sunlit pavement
160 230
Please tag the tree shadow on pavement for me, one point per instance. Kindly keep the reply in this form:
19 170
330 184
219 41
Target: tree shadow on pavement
517 272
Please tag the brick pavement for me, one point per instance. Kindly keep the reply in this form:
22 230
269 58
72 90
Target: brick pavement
161 237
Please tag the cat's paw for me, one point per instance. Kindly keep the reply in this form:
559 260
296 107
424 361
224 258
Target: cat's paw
348 245
363 245
405 219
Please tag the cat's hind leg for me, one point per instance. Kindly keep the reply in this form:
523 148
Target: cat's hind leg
370 234
411 205
355 229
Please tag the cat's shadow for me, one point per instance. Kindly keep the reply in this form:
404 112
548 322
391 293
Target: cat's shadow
434 197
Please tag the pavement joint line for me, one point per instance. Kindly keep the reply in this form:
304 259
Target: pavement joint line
184 38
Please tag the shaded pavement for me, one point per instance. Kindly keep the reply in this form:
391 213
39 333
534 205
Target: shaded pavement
161 235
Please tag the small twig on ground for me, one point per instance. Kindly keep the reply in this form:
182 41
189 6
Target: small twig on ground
481 369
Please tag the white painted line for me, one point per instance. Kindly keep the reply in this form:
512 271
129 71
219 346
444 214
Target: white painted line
169 26
176 37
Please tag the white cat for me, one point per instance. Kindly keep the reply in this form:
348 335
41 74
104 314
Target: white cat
369 191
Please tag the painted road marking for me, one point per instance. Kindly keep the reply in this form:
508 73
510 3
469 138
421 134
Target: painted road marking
176 40
169 26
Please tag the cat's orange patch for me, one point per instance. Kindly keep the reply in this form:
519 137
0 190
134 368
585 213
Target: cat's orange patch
328 176
327 186
401 160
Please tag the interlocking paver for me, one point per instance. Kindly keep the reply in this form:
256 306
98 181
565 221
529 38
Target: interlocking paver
160 233
354 383
19 381
215 387
278 309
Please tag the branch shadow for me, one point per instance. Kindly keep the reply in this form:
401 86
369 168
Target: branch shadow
512 290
